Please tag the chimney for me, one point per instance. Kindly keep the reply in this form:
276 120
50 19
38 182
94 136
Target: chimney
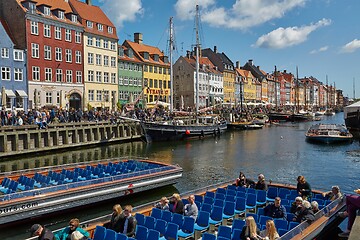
88 2
258 67
250 62
188 54
238 64
138 38
215 49
285 71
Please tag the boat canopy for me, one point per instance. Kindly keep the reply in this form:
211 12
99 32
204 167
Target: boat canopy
351 108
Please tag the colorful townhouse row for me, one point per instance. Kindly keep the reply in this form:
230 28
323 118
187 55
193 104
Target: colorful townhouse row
65 54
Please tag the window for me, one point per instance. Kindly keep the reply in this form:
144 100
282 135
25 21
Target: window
113 77
110 30
89 24
98 76
90 41
47 52
69 76
121 81
78 37
35 73
121 65
58 33
100 27
47 30
126 81
48 97
98 95
47 11
78 57
98 59
68 55
18 55
155 69
58 54
58 97
78 76
112 46
113 61
48 74
60 14
34 28
68 35
91 95
106 96
150 69
18 74
5 53
5 73
90 58
34 50
74 18
106 77
90 76
59 75
105 44
106 61
97 42
145 68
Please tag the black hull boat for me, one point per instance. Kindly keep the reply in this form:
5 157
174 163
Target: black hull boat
289 117
328 134
352 116
35 193
155 132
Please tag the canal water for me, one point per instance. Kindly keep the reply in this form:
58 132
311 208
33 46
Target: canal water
280 152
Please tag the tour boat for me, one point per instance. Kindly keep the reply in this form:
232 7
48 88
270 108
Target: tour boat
352 116
328 133
37 192
238 199
245 125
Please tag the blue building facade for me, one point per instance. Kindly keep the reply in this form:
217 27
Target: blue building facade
13 77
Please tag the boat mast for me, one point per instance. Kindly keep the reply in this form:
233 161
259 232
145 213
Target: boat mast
197 60
171 65
276 100
297 90
327 93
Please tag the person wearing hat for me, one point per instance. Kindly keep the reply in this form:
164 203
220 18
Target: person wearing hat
304 213
333 194
41 232
261 184
163 204
65 234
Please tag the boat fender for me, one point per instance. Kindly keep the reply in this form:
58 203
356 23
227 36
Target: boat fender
187 132
202 133
129 190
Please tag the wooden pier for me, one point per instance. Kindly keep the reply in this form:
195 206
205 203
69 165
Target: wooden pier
30 139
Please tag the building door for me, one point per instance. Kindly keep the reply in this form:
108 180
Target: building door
75 101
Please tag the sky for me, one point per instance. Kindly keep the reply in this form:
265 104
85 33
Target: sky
319 37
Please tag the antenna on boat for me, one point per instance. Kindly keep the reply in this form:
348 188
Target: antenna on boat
171 65
197 59
354 87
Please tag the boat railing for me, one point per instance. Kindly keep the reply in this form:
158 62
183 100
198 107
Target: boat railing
84 183
326 211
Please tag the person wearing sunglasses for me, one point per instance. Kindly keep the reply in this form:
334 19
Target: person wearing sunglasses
65 234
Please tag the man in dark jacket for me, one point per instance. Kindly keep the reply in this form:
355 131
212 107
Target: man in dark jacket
275 210
304 213
43 233
128 223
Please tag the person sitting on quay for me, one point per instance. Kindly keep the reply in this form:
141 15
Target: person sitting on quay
191 208
270 232
261 184
163 204
315 207
65 234
177 204
242 181
333 194
304 213
42 232
296 204
128 223
116 218
303 188
275 210
352 205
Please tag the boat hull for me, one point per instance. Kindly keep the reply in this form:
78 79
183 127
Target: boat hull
329 139
328 134
352 121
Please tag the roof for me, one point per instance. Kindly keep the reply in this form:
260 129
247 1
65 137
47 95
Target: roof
202 61
94 14
141 48
127 58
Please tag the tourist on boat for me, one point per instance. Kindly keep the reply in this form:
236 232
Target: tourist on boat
191 208
303 188
65 234
275 210
128 223
296 204
352 205
333 194
42 232
242 181
163 204
177 204
315 206
116 218
304 213
270 232
78 236
261 184
250 230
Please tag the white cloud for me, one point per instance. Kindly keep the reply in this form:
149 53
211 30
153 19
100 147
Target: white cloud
287 37
243 14
120 11
322 49
351 46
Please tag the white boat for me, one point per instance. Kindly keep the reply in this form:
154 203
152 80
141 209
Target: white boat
352 116
328 133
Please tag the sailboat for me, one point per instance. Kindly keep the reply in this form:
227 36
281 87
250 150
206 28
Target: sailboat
198 127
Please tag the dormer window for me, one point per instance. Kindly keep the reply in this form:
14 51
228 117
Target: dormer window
110 30
100 27
60 14
130 53
74 18
121 52
146 55
32 7
165 59
46 11
156 57
89 24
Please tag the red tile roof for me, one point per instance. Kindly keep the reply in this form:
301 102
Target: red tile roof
127 58
202 61
140 48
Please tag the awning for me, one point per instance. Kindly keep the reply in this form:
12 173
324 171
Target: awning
22 93
10 93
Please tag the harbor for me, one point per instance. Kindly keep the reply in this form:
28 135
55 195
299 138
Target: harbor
280 152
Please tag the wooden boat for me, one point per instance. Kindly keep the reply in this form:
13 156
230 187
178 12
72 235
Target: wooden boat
328 133
35 193
352 116
324 219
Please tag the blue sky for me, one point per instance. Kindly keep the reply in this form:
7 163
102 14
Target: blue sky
321 37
